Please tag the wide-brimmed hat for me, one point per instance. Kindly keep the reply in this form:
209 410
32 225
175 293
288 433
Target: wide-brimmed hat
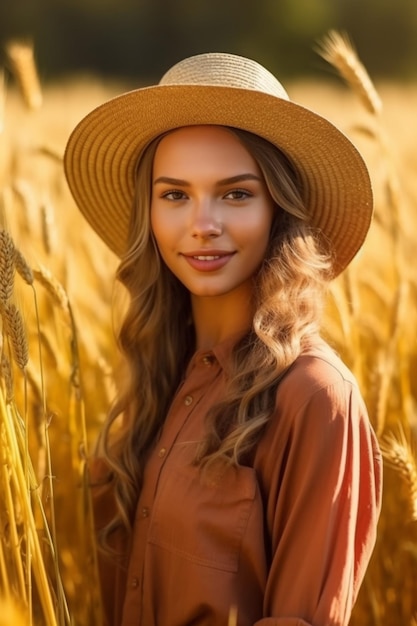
228 90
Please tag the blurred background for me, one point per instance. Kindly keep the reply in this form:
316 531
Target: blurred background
86 51
142 38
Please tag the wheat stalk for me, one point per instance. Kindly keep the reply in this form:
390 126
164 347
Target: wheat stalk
23 66
24 192
53 153
6 375
14 450
384 370
6 205
337 49
8 459
4 554
58 293
11 613
76 413
47 223
399 454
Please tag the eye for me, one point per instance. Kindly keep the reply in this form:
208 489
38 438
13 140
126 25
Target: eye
174 195
238 194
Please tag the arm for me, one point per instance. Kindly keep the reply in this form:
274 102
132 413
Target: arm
322 509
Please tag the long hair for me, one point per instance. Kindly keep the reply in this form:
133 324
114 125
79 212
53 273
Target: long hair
156 338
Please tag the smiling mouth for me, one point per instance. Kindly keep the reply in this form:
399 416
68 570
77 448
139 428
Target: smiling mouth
207 258
208 262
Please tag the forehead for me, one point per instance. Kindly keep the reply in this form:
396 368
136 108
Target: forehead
203 146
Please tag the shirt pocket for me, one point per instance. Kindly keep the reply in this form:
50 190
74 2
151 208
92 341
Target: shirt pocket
200 520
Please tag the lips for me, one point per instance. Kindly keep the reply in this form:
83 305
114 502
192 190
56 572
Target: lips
208 260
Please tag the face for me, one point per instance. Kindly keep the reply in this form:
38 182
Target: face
211 212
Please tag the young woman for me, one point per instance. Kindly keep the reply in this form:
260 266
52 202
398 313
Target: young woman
237 479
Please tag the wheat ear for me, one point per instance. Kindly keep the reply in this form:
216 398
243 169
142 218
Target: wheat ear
7 266
15 331
52 286
23 66
22 267
398 453
47 223
337 49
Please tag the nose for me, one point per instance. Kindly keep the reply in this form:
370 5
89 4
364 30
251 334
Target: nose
206 222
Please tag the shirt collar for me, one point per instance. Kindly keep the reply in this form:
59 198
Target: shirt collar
221 352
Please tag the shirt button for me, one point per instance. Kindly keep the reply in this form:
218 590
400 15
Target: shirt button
188 400
145 511
134 583
162 452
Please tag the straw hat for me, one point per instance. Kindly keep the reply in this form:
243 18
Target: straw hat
220 89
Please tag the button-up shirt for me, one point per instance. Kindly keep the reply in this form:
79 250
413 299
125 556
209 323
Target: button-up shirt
282 542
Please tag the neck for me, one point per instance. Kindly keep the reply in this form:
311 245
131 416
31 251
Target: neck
218 317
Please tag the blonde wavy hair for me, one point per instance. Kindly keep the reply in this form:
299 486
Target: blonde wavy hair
156 344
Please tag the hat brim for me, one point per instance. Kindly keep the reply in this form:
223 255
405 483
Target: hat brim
102 152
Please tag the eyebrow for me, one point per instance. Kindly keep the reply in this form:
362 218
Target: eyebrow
225 181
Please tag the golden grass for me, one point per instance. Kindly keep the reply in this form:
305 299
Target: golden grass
56 290
22 64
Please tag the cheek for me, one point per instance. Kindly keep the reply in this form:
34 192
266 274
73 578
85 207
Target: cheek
163 235
164 221
258 230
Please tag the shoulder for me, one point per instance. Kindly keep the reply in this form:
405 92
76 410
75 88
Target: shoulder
319 379
319 413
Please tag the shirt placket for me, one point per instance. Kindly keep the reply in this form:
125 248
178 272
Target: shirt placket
184 404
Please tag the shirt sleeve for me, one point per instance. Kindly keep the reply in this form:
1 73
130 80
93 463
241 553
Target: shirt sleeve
322 510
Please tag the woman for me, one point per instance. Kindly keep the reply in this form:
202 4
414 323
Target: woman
237 478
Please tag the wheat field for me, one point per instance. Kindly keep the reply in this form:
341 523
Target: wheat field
58 352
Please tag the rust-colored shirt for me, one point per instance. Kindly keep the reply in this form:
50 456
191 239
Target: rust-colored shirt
284 542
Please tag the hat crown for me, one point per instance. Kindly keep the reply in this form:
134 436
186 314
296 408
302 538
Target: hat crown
224 70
